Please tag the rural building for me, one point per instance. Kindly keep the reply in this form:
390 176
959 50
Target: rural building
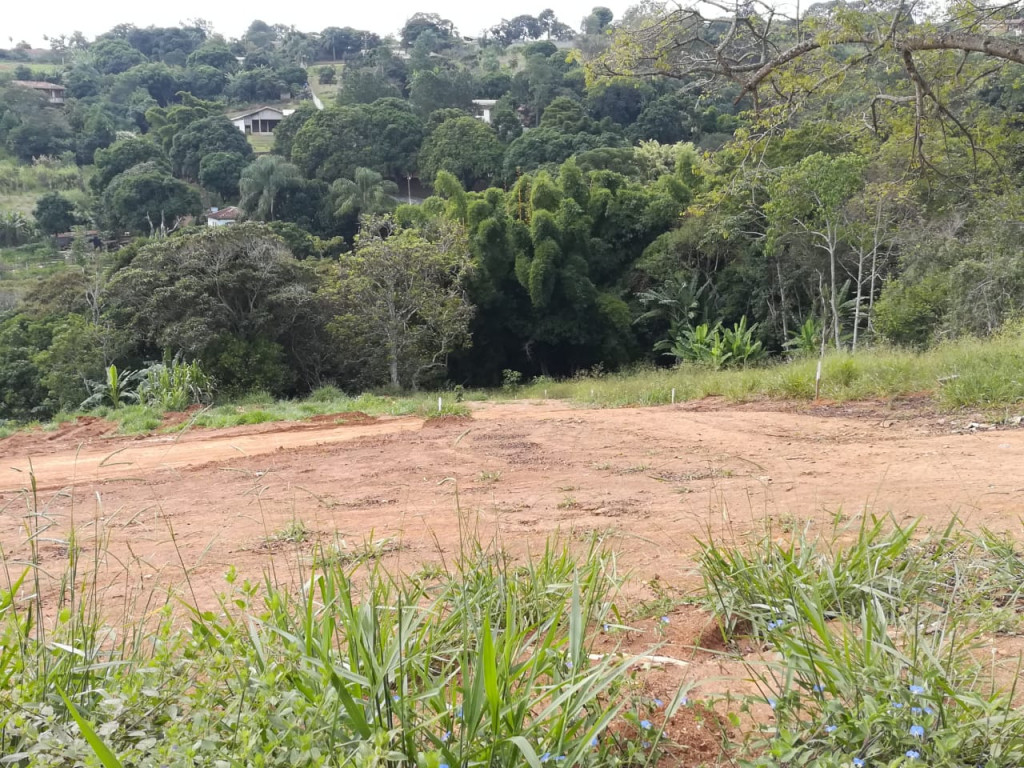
482 108
260 120
53 92
220 217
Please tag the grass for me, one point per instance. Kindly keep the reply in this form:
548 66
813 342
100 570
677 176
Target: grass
874 637
261 143
971 373
487 664
327 92
980 375
872 633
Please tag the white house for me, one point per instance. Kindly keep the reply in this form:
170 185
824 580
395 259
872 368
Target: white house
483 109
260 120
221 217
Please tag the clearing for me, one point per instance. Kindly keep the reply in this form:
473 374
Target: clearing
649 480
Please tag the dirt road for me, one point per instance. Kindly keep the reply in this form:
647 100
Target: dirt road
653 479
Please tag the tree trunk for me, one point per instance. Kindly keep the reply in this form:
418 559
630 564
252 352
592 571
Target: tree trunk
856 308
833 299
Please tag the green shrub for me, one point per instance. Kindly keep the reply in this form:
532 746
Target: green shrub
911 314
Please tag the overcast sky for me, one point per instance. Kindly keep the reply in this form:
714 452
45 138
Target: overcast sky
24 20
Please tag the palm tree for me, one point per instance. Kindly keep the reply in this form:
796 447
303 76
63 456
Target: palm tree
366 193
262 181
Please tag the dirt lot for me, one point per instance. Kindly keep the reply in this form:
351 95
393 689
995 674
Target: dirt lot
652 479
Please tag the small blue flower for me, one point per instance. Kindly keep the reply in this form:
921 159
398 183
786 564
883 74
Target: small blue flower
916 710
593 742
645 724
568 664
664 619
445 736
929 711
545 757
560 758
858 762
831 728
684 701
646 745
772 703
607 627
458 711
897 705
443 765
913 754
396 697
659 703
917 690
917 731
819 688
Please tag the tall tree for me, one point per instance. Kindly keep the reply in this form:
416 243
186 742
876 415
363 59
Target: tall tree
367 193
261 183
402 298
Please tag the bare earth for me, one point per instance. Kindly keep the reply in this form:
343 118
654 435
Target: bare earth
652 479
649 481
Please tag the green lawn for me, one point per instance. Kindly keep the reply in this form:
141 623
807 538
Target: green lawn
261 143
327 93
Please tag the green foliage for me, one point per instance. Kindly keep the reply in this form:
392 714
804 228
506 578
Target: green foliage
366 194
122 155
464 147
174 386
438 680
717 346
114 390
873 646
261 184
911 314
201 138
402 307
220 172
146 199
54 213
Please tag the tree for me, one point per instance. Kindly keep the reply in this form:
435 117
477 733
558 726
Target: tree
145 199
777 58
231 297
464 147
439 89
261 183
159 80
402 298
111 57
598 21
214 53
54 213
260 84
122 155
211 134
419 23
368 193
220 172
808 200
203 81
362 85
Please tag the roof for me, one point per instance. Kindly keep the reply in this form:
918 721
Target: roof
224 214
254 111
41 85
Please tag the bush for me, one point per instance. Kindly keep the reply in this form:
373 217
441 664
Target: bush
910 314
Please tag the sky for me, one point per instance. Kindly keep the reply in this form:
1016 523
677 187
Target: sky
22 20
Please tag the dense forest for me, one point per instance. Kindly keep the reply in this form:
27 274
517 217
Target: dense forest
545 198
